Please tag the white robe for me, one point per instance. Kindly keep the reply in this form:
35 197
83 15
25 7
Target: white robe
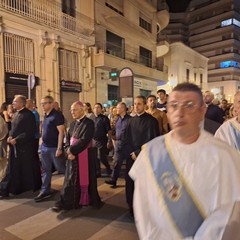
224 132
212 172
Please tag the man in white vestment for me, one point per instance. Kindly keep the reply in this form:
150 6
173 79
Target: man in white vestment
230 130
186 182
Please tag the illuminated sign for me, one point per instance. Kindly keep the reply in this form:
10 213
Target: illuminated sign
113 75
236 22
70 86
227 64
230 21
226 22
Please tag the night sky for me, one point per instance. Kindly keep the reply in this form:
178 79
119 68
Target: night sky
177 5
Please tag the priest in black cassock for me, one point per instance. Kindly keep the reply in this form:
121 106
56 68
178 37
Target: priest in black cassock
80 182
140 129
23 171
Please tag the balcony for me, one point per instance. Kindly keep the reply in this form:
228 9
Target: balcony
163 18
108 58
162 48
223 71
118 51
49 13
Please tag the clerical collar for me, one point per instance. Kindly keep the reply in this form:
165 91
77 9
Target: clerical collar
140 114
78 120
20 109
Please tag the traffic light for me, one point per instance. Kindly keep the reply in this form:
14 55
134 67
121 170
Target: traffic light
113 74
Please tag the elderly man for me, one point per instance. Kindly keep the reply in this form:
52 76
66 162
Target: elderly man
187 181
23 171
80 184
230 130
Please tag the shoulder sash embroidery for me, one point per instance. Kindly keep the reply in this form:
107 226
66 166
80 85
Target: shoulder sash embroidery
183 209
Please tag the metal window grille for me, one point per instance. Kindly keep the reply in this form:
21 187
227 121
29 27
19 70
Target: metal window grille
18 54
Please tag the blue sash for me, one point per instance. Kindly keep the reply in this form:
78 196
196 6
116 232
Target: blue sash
235 133
184 211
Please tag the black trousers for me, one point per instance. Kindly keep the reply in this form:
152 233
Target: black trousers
102 157
129 183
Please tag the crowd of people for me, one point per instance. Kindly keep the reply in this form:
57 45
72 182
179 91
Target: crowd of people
182 158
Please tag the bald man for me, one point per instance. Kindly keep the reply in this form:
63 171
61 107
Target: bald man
230 130
80 184
214 112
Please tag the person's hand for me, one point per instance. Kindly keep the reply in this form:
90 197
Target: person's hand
133 156
68 151
71 157
58 152
11 141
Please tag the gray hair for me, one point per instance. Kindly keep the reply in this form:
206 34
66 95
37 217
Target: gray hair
22 98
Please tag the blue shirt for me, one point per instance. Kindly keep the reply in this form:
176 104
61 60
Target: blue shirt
121 124
49 128
37 120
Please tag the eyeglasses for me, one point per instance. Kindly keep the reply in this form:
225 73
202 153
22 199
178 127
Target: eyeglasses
189 106
44 103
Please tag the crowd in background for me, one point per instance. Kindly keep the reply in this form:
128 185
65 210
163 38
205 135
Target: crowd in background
118 136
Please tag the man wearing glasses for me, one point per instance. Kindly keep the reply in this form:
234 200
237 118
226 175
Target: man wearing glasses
52 146
187 182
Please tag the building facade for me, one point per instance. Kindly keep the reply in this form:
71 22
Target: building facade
185 65
68 48
212 28
49 40
126 37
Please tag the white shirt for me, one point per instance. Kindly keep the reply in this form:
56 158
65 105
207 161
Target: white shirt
212 172
225 133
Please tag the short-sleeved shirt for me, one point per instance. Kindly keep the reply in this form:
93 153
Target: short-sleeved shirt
102 126
162 106
49 128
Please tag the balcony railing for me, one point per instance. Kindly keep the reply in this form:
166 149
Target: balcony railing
50 13
117 51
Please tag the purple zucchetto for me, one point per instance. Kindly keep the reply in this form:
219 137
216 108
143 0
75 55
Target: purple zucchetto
79 103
